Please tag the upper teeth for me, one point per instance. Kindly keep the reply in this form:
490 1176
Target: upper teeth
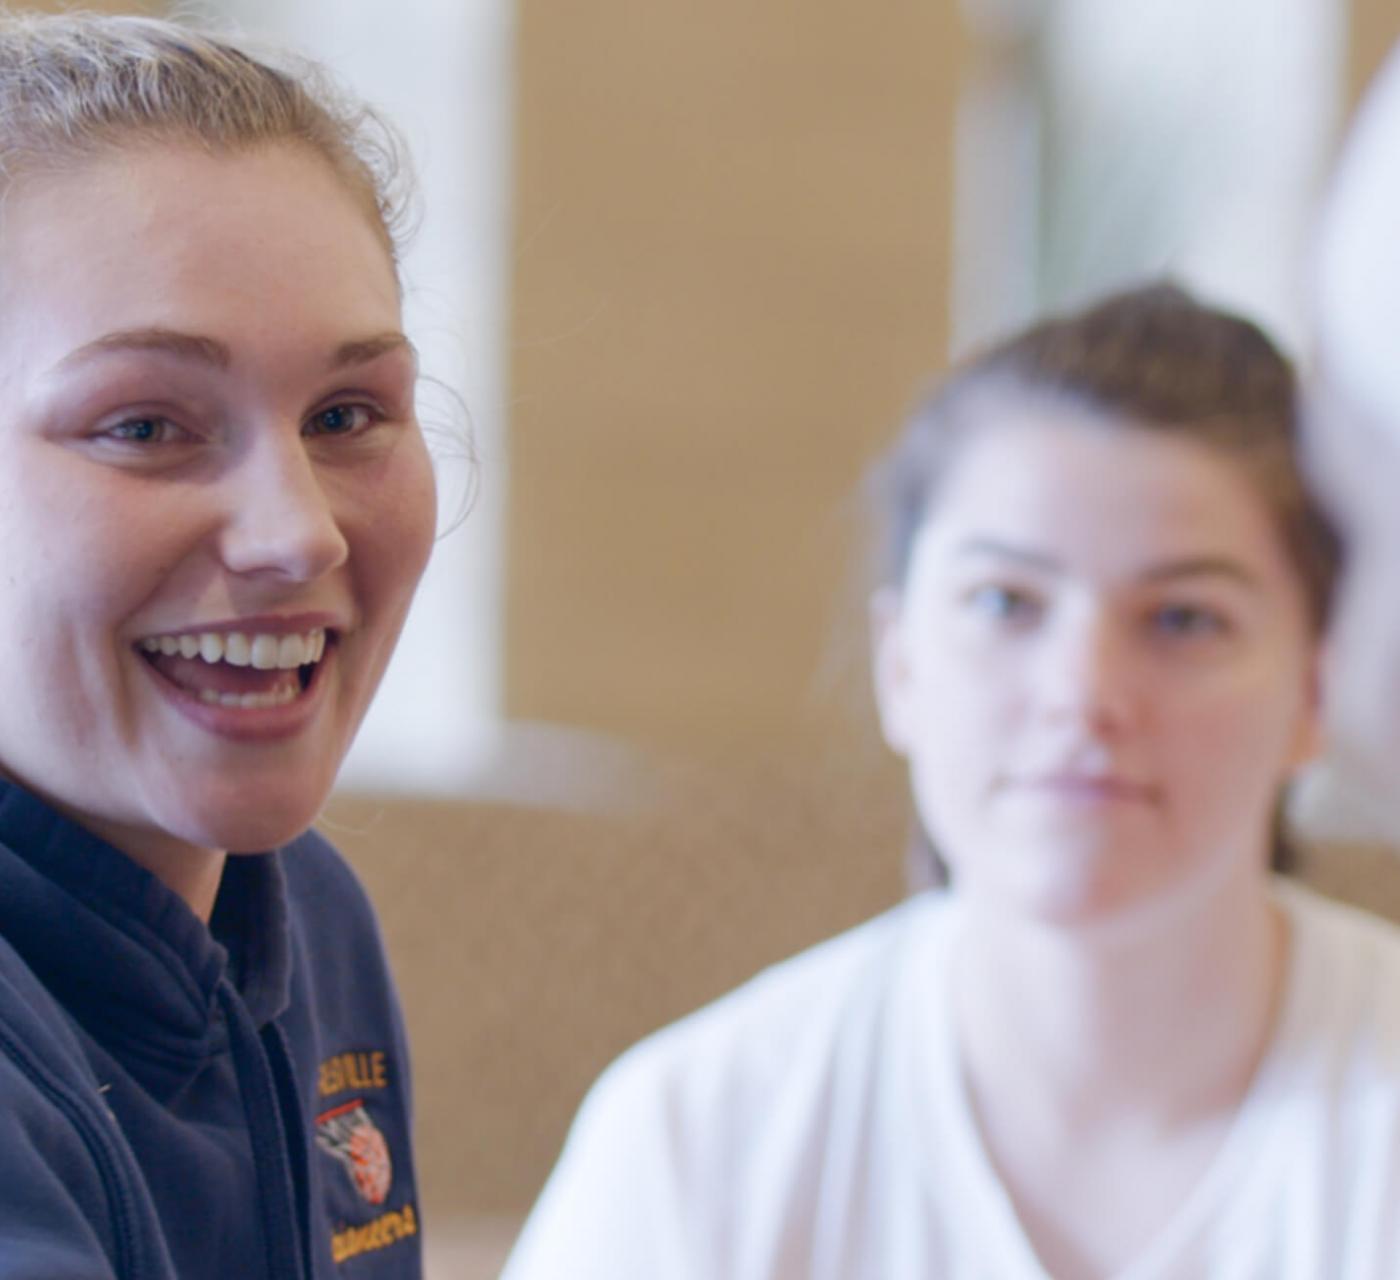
263 651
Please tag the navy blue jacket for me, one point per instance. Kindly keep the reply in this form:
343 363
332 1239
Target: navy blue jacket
181 1101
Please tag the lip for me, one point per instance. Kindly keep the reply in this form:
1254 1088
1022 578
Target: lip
253 724
274 624
1088 788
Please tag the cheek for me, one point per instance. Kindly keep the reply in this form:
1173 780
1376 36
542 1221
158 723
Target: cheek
964 699
970 702
964 734
105 539
416 512
394 518
71 571
1228 754
62 688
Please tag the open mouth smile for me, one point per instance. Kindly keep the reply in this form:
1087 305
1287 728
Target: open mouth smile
239 670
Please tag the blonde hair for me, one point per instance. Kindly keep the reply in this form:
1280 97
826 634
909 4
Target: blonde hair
73 85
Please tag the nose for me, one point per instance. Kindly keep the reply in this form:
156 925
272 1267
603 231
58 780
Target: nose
279 519
1087 674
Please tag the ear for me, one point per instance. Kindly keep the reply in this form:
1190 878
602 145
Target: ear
1310 739
890 666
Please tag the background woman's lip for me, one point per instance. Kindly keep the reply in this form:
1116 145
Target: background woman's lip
1089 784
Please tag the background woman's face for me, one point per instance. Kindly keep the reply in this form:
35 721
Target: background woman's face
1099 668
209 434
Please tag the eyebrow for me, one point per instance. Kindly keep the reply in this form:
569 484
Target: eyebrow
1203 566
984 546
363 350
1170 571
210 351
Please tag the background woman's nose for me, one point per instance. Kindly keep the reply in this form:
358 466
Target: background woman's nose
280 519
1087 671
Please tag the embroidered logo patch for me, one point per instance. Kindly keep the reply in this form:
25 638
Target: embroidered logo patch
349 1134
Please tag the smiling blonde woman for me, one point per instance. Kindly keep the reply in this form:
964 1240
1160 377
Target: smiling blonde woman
1118 1044
215 507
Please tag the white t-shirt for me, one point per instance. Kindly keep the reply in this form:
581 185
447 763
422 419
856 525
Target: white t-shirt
813 1125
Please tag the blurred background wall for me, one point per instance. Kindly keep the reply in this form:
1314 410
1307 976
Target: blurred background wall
686 264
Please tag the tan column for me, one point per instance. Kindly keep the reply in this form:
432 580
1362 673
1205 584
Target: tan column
731 264
1375 28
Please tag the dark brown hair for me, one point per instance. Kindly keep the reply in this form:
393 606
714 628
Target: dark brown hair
1152 359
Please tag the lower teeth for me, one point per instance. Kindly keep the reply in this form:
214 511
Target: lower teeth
250 701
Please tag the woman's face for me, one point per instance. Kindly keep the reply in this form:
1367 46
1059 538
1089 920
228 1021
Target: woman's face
211 449
1099 668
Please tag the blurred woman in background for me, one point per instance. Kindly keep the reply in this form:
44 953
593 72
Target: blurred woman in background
1118 1044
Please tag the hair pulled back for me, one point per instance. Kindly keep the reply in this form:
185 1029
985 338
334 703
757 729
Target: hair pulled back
1153 359
74 85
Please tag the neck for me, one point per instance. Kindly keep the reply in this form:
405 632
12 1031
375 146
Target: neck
194 874
191 871
1064 1028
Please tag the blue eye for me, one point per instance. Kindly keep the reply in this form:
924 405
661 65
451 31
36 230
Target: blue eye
341 420
1004 604
1187 620
149 430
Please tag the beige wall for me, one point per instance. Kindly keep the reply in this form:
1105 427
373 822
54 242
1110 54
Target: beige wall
730 269
1375 28
731 266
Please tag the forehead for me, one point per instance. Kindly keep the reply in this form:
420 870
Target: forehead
1112 498
176 235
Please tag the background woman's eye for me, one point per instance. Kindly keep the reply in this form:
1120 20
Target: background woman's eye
341 419
1187 620
1003 603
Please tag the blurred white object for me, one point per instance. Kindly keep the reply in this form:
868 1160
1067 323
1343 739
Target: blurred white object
1101 142
1358 260
1353 436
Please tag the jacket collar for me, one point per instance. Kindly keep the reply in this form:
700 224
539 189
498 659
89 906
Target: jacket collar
124 955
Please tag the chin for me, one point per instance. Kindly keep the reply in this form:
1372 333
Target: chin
249 819
1064 906
1074 889
247 832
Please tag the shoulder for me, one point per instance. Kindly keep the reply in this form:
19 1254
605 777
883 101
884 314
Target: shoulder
661 1174
343 993
1338 1125
1346 982
335 930
345 1030
314 867
796 1029
35 1032
69 1177
326 903
1346 940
